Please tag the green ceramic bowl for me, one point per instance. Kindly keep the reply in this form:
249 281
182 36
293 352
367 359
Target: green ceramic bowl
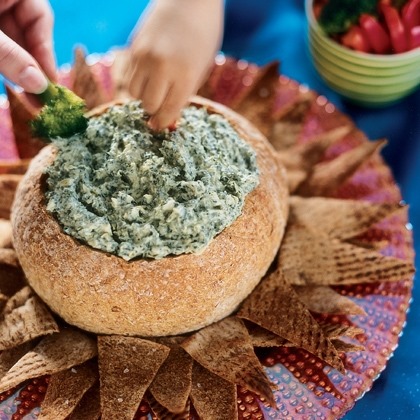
367 79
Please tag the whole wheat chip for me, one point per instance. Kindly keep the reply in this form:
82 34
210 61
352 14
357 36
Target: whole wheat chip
213 397
85 84
289 125
162 413
225 348
257 106
17 167
261 337
18 299
21 113
12 278
5 234
172 384
29 321
344 346
89 408
324 300
341 219
127 366
327 177
66 389
310 258
9 357
334 331
275 306
306 155
8 185
53 354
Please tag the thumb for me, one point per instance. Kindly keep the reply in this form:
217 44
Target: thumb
20 67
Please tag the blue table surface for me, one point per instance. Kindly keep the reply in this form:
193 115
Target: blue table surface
261 31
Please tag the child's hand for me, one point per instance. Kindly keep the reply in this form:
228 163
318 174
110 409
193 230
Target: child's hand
26 43
171 54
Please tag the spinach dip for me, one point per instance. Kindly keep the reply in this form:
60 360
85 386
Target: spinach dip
132 192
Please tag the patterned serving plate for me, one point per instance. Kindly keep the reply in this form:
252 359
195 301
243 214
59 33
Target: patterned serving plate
307 388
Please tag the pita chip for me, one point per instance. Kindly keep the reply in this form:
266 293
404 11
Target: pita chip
127 366
9 357
261 337
8 185
162 413
21 114
341 219
324 300
65 390
55 353
309 258
172 384
225 348
327 177
30 320
213 397
85 83
257 105
89 407
275 306
289 125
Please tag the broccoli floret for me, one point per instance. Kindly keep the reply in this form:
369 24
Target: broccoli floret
62 115
337 16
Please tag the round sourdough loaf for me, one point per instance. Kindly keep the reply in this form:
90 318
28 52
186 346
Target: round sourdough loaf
105 294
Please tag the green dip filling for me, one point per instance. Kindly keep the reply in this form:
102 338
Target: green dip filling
129 191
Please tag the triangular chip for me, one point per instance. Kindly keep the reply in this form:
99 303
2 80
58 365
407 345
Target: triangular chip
65 391
275 306
18 299
324 300
127 366
334 331
89 407
306 155
341 219
162 413
310 258
9 357
289 125
8 185
327 177
172 384
30 320
12 278
21 114
85 84
5 234
344 346
213 397
53 354
261 337
225 348
257 105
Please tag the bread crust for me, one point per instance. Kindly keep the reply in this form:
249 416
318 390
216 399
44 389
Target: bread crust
105 294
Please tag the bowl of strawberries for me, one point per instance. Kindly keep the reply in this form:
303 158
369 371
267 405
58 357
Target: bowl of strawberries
366 50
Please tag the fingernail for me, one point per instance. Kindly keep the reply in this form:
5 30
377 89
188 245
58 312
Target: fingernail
32 80
152 123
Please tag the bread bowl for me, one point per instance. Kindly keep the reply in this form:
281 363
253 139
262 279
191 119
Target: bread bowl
105 294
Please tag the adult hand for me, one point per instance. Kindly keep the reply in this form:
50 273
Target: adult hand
26 47
171 54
